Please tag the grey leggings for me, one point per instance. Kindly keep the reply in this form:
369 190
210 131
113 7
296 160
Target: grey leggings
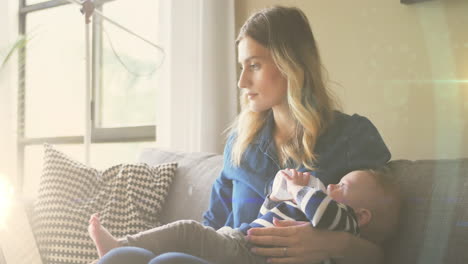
187 236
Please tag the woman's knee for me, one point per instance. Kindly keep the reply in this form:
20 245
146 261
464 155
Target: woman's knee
189 228
188 222
125 255
177 258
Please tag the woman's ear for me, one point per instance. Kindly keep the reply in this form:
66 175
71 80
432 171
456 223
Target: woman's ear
364 216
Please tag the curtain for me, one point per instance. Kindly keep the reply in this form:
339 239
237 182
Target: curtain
8 84
197 93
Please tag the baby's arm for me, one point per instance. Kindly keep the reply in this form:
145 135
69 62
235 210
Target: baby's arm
320 209
295 181
267 205
280 190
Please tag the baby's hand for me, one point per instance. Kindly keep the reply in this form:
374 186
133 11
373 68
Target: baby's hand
295 177
279 189
295 180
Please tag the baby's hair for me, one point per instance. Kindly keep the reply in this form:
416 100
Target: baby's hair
388 209
385 179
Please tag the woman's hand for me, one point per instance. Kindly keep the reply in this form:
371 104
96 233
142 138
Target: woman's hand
291 241
299 242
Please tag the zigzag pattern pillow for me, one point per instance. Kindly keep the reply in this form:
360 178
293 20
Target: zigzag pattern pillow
129 198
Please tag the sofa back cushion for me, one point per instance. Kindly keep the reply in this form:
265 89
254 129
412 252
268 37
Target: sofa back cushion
191 188
434 217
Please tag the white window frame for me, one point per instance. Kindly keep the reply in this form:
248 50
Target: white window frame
98 134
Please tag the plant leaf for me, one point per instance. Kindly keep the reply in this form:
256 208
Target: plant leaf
19 44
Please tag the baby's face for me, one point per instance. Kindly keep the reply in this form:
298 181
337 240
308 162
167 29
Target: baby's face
355 189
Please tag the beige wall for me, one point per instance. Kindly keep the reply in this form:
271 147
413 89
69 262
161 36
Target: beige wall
403 66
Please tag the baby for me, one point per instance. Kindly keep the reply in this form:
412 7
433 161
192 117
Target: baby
364 202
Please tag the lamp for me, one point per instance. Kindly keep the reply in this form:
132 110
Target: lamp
6 191
6 199
17 243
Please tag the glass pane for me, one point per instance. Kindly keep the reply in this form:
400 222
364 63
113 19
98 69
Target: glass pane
103 156
129 68
55 79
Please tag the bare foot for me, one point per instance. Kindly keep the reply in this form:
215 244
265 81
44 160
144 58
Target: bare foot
103 240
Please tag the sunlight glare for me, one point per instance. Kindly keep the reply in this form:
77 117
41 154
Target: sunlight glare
6 200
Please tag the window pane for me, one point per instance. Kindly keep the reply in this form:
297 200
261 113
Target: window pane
55 79
129 66
103 156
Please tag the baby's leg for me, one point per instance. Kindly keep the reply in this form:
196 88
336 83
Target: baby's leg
103 240
193 238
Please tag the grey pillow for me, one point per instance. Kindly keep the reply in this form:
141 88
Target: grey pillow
129 198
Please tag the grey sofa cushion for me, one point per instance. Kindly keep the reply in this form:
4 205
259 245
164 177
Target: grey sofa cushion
191 188
434 217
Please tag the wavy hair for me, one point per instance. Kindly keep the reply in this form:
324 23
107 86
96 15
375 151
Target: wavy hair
286 33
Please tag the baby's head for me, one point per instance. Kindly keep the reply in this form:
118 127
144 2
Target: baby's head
373 194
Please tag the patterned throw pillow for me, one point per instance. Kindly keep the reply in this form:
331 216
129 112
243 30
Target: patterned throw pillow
128 197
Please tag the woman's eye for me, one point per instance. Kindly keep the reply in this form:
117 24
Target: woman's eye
254 66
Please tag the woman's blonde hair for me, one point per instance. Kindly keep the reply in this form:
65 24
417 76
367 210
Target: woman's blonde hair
286 32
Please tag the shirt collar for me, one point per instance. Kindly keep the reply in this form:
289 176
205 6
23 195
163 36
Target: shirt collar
265 140
265 135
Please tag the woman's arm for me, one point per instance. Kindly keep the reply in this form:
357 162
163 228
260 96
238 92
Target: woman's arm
220 206
220 203
305 244
358 250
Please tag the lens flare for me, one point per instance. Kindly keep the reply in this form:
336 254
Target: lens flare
6 199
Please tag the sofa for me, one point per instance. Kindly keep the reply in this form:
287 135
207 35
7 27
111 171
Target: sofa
434 218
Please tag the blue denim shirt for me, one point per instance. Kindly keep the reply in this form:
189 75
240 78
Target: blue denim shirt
350 143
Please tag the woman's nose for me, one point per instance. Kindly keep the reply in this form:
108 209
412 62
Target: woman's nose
244 81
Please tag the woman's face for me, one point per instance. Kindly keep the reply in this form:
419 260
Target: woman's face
260 80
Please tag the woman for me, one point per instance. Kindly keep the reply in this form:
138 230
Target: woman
288 120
